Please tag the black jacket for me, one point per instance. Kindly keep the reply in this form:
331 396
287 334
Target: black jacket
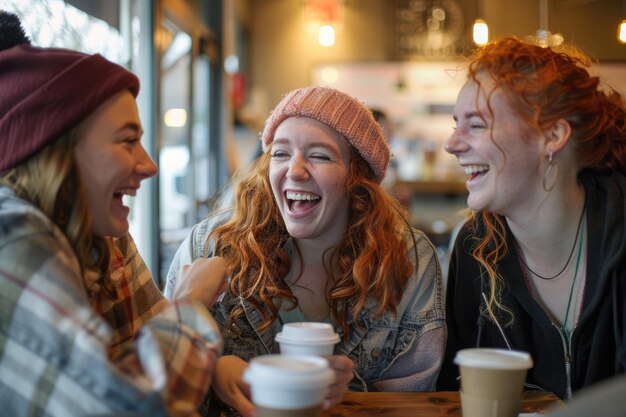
599 340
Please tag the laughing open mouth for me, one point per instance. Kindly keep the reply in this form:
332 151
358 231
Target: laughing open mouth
475 170
301 202
119 194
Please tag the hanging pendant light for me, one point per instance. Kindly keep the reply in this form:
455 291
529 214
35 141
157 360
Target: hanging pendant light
480 33
325 18
543 36
326 35
480 30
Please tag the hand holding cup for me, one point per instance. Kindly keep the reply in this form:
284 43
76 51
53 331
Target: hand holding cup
288 385
314 338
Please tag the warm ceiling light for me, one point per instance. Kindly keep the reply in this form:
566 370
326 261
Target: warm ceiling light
621 31
326 35
175 118
481 32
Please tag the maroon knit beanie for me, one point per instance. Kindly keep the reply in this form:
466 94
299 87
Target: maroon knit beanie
44 92
348 116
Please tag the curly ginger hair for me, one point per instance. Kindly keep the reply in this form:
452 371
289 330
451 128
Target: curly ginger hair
545 84
372 258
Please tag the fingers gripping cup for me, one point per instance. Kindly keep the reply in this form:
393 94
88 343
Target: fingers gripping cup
492 381
288 386
307 338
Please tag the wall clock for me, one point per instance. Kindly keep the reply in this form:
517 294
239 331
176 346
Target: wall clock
427 28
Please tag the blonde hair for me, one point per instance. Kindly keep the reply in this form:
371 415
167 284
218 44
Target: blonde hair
50 181
372 259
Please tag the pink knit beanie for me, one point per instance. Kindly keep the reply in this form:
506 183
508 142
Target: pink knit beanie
339 111
44 92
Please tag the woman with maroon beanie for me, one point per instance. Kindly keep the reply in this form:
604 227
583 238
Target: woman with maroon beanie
83 328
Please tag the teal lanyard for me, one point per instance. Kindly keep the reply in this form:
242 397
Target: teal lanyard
564 329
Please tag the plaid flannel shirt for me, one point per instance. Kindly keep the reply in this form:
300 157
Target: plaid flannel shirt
64 354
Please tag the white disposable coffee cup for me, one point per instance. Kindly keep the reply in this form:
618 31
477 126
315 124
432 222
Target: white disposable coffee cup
307 338
288 385
492 381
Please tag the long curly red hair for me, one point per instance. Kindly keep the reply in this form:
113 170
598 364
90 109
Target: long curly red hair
372 259
545 85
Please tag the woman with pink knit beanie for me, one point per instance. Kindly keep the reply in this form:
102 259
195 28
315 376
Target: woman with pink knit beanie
84 330
314 237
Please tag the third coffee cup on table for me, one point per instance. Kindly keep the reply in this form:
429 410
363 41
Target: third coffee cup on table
492 381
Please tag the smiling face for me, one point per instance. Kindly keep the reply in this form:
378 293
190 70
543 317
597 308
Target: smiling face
112 162
499 151
308 173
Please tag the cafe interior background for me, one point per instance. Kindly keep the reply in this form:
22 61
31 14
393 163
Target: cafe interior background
211 70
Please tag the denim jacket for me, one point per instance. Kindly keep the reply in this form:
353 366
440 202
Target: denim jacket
401 352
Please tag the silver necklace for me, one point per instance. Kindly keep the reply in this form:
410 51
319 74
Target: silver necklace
569 258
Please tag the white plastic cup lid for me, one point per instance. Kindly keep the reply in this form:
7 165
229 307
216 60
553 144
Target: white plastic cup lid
494 358
311 333
293 372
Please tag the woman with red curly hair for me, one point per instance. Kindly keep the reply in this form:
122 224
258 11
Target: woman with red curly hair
540 265
314 237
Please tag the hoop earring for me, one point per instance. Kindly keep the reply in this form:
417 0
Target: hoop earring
547 184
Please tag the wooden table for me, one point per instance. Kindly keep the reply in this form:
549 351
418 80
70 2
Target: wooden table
421 404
